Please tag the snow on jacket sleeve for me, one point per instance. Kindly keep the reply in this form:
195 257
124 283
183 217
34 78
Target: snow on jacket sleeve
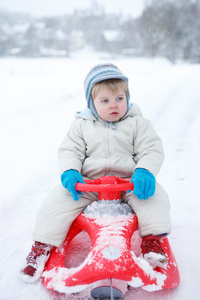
148 149
71 153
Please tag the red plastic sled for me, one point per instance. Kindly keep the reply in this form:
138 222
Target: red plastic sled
111 255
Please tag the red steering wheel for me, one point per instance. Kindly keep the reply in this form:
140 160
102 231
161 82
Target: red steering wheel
108 187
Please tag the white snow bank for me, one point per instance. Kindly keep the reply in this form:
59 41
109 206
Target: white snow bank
37 101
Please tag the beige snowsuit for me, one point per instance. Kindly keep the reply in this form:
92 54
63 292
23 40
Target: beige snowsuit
97 148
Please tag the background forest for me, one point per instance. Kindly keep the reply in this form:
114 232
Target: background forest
169 29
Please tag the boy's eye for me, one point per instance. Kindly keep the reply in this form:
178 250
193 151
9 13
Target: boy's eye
120 98
105 100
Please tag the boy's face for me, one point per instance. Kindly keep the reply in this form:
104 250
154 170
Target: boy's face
110 106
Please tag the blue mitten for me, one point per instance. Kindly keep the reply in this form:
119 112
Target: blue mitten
144 183
69 180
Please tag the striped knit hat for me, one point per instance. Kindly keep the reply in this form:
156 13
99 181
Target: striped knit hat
99 73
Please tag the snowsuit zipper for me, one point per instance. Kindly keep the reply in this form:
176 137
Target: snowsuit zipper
108 149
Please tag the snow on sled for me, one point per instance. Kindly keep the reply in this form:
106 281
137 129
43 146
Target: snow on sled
111 226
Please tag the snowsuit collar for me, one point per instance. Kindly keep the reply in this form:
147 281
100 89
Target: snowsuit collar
87 114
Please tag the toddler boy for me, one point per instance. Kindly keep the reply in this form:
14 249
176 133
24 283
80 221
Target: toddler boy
109 138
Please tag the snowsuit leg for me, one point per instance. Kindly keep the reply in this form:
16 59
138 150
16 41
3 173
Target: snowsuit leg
57 213
153 214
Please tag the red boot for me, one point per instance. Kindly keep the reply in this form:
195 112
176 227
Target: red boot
152 251
35 262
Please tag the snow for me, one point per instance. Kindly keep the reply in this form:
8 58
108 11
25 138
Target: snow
37 101
110 35
114 208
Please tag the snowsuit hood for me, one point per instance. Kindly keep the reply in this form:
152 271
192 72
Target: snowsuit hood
87 114
99 73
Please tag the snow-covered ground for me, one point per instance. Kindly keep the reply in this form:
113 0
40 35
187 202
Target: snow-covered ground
38 98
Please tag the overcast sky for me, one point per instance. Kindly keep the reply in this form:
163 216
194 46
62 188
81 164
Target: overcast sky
58 7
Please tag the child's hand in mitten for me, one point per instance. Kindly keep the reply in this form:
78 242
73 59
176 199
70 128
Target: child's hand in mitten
69 180
144 183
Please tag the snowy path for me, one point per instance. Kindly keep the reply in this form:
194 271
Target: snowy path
37 101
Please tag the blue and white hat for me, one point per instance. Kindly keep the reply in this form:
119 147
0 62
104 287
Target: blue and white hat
99 73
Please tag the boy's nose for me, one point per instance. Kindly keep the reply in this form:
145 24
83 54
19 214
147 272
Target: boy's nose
113 104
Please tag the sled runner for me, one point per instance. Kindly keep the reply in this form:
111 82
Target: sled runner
110 225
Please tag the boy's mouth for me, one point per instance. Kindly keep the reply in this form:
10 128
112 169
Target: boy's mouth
114 113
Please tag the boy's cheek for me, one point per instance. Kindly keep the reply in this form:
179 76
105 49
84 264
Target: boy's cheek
101 112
